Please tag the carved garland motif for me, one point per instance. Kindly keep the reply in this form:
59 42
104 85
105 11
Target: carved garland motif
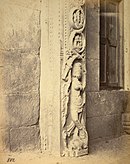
77 18
74 134
77 41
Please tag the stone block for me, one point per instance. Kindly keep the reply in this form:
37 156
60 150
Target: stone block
9 79
104 127
9 74
25 139
105 103
93 45
19 73
8 58
29 73
30 4
4 115
126 118
93 19
127 98
20 28
92 75
93 28
4 140
23 109
126 122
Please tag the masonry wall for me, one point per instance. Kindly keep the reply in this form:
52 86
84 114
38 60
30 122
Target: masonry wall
104 108
19 75
20 37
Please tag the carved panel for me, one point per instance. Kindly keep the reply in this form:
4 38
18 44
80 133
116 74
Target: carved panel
77 41
73 94
77 18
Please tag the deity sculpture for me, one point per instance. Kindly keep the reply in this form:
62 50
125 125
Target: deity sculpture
74 133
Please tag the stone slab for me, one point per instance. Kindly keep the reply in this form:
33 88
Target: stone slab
30 4
20 73
93 29
93 11
23 110
93 46
4 140
92 75
126 122
127 98
25 139
104 127
105 103
20 28
4 115
29 73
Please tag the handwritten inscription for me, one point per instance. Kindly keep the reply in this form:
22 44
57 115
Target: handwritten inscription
11 160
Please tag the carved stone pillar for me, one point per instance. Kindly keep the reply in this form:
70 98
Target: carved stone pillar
63 78
73 82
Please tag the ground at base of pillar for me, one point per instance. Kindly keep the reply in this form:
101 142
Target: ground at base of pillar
115 151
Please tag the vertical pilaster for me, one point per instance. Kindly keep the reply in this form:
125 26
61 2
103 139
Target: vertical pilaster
50 77
126 45
63 78
74 137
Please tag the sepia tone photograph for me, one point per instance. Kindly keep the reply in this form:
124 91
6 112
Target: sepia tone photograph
65 81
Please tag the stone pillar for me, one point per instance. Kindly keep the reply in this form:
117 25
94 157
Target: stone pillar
63 78
50 77
126 45
126 114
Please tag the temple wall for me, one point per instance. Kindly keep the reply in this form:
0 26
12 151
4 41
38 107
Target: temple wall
20 36
32 47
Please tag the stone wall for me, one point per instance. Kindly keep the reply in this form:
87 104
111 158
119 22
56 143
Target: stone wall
19 74
20 78
104 108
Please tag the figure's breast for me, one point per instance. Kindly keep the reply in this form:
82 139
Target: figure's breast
75 96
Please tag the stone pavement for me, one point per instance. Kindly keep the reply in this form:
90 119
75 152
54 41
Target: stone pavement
115 151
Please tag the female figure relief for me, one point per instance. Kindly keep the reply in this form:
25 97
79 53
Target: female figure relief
74 134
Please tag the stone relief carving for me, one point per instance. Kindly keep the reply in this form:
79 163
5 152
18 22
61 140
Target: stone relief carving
73 111
79 2
74 133
77 41
77 18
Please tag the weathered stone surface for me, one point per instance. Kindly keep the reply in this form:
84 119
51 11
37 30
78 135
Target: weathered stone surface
30 4
104 127
29 73
20 28
23 109
20 72
92 75
4 140
92 45
4 115
126 118
25 139
127 100
126 122
9 79
105 103
9 58
93 28
93 20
